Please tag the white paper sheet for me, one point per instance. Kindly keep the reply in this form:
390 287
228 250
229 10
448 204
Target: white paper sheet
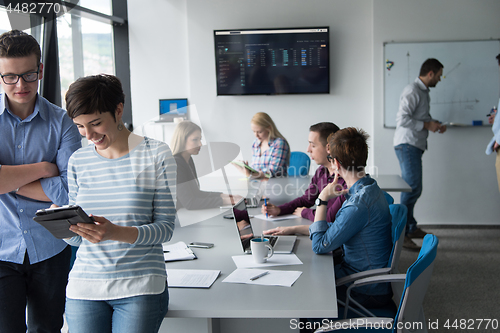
191 278
276 218
274 278
177 251
246 261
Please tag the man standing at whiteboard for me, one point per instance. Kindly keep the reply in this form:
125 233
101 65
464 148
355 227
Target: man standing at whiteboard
413 123
494 144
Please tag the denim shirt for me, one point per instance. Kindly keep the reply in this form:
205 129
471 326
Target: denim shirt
363 227
49 135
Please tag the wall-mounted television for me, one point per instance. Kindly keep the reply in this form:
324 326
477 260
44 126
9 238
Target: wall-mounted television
272 61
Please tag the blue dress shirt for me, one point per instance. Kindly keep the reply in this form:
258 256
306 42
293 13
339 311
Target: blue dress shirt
363 227
49 135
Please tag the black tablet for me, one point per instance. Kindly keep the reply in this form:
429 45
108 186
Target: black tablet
58 220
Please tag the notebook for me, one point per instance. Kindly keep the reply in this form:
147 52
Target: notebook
281 244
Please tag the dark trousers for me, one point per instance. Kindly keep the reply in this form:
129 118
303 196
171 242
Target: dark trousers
41 288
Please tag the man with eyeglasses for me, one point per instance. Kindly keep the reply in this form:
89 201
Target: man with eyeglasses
37 140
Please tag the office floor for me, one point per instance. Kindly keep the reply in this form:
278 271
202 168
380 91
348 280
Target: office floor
465 284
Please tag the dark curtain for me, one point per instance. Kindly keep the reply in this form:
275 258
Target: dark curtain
51 83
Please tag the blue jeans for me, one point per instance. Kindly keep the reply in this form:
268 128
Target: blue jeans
40 287
127 315
410 161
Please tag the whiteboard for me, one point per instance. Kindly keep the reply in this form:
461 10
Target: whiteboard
469 87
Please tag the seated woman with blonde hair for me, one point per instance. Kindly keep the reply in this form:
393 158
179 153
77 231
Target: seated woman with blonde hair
270 150
186 142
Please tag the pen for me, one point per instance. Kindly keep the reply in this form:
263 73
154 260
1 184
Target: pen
265 204
259 276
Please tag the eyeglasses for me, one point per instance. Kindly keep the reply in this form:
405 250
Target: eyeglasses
330 159
27 77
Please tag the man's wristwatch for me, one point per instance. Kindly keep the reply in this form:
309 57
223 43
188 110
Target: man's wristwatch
320 202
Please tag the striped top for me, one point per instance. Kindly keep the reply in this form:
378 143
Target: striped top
137 189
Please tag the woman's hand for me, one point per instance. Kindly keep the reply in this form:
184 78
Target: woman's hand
259 175
333 190
102 230
242 169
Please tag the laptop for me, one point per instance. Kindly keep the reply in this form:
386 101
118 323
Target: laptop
255 192
280 244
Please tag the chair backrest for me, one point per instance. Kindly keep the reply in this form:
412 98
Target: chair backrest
299 164
388 197
398 213
417 281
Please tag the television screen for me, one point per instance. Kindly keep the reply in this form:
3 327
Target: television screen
272 61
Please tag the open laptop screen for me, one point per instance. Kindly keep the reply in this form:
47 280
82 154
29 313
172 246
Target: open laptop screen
243 225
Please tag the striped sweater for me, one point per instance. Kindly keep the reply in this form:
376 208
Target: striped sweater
137 189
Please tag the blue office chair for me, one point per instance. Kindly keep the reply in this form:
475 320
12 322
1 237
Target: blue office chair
409 316
388 197
398 214
299 164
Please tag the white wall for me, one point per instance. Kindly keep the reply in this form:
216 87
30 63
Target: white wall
174 40
459 179
159 66
228 118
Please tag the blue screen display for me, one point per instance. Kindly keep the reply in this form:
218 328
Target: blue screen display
173 106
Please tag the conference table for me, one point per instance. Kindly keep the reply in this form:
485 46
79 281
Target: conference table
312 295
230 307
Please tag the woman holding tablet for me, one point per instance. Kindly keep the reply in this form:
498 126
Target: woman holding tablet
118 282
270 150
362 225
186 142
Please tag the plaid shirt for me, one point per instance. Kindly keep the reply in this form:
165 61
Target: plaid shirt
273 160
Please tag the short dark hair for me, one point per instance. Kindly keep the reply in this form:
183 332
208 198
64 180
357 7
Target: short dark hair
97 93
324 130
349 147
429 65
17 44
